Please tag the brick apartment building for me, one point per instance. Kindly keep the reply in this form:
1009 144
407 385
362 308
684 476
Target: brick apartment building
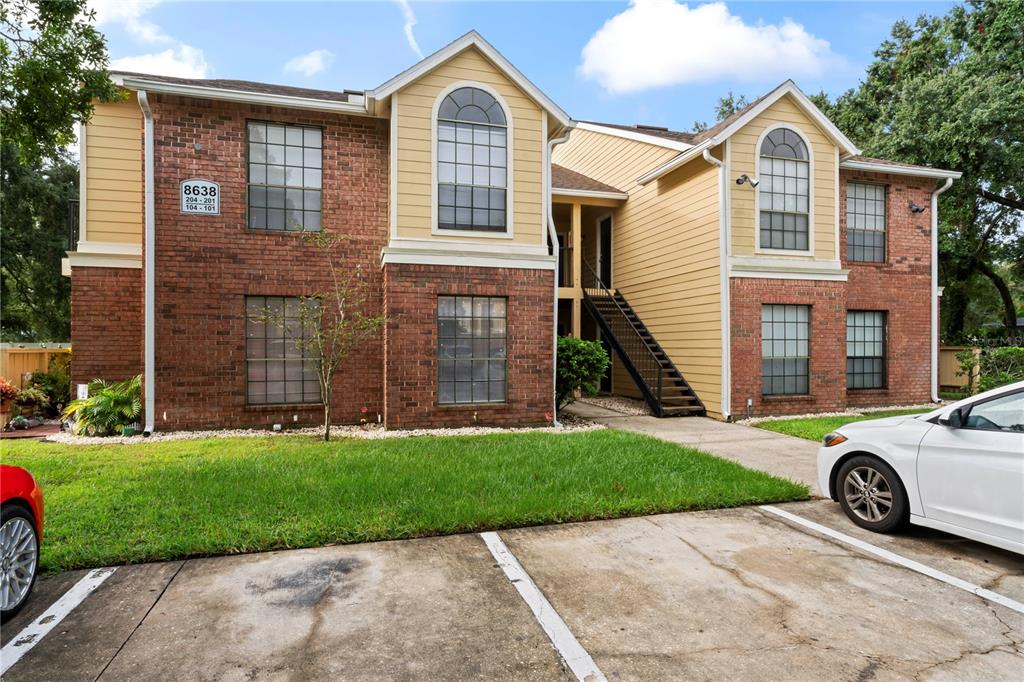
195 195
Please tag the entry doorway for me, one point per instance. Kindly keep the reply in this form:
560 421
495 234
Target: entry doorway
604 250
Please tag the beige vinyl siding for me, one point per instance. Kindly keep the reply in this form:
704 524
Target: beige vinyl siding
665 252
744 159
113 173
415 153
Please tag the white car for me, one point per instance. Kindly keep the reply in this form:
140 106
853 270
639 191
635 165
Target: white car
959 469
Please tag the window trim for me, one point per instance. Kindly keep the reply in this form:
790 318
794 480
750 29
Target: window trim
846 218
758 249
509 160
323 138
884 356
245 372
437 351
810 349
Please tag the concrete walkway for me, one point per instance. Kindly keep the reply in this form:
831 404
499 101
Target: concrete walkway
775 453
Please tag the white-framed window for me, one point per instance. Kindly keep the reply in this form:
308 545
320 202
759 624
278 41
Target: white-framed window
784 191
472 162
472 349
785 349
285 176
865 222
865 349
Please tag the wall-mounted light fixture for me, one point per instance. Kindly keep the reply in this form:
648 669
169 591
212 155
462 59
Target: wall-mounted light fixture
914 208
746 178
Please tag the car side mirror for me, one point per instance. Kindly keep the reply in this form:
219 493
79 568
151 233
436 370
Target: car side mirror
953 420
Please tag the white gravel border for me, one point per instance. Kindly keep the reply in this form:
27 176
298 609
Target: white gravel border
845 413
620 404
568 424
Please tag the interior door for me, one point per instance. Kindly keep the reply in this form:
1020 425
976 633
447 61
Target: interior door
972 475
604 251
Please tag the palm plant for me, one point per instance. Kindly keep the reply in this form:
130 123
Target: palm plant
109 408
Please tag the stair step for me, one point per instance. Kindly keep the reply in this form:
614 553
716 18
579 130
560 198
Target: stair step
690 409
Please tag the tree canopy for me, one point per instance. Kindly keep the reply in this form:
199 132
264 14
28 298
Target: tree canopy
947 92
36 303
52 66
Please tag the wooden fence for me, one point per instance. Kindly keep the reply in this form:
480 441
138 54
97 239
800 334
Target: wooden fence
949 367
19 361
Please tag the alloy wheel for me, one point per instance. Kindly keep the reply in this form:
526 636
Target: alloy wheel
868 494
17 561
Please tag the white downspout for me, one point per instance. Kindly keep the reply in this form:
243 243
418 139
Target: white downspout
723 267
553 235
935 288
149 268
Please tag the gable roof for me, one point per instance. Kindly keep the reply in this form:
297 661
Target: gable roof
251 92
866 163
457 46
658 136
723 130
566 181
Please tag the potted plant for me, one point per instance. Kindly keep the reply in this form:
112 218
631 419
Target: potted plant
7 395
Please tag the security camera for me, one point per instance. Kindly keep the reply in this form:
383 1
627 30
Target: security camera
746 178
914 208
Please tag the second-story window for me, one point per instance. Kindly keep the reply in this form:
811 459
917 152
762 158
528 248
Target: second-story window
472 163
865 222
785 191
285 178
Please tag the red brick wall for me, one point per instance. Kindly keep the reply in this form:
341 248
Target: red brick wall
901 287
828 344
206 265
106 324
411 344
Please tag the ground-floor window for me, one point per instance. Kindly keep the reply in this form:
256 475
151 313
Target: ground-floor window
278 366
472 349
785 349
865 349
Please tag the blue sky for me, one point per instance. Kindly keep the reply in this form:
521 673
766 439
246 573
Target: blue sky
658 62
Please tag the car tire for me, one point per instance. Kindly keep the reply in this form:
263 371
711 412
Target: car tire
872 494
16 517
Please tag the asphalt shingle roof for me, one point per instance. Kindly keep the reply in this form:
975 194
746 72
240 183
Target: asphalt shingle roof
563 178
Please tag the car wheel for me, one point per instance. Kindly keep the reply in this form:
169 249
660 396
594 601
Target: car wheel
871 494
19 558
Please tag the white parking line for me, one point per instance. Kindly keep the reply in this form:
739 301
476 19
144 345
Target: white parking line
923 569
567 646
23 642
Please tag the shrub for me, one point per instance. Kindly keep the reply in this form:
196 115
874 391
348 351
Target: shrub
580 366
55 382
109 408
1000 366
7 390
31 400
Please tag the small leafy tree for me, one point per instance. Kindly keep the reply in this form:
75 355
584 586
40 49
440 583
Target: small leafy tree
52 66
109 408
581 364
334 321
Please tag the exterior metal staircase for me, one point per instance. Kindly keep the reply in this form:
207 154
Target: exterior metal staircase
662 385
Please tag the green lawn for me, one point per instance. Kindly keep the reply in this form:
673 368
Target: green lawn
115 504
815 428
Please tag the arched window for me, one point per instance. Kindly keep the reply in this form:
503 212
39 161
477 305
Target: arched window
785 191
472 164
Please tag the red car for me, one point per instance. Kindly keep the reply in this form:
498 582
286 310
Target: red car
21 531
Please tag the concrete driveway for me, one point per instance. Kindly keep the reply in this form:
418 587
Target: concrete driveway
778 454
733 594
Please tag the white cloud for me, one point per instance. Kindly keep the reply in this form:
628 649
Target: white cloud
130 14
179 59
311 63
410 22
656 43
182 61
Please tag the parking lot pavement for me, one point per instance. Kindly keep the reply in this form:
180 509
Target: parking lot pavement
738 594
